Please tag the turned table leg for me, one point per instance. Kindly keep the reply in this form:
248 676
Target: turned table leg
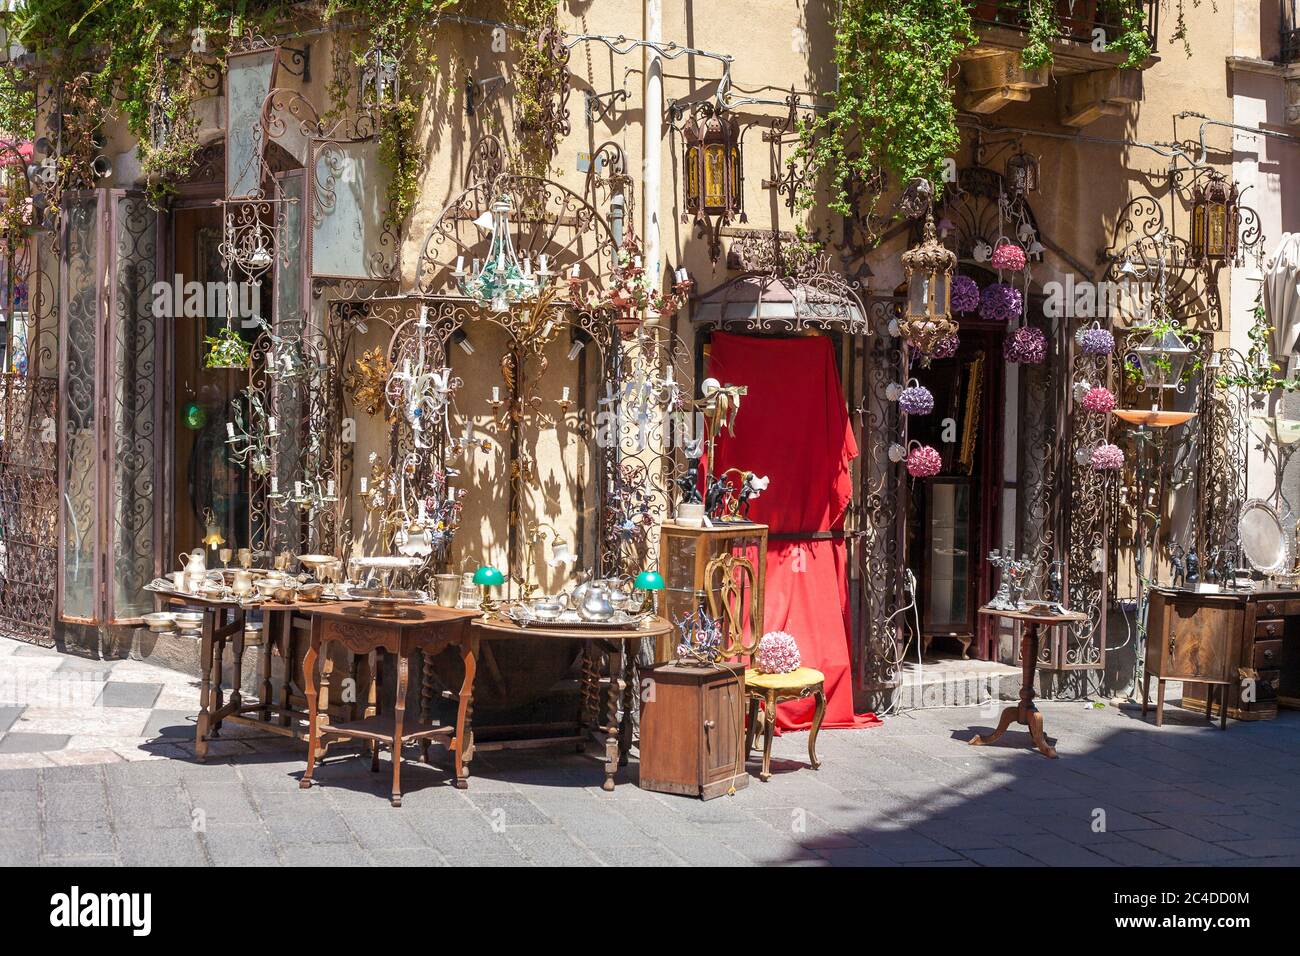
614 672
399 716
313 711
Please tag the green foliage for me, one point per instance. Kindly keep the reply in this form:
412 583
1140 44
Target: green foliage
894 109
1260 371
226 349
1044 30
536 74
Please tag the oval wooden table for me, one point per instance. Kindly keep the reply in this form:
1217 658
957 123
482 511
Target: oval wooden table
607 662
1025 712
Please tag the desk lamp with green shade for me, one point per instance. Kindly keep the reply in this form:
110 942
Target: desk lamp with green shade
488 577
651 582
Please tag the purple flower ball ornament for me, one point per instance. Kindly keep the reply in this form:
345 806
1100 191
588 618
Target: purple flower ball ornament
916 400
924 461
946 347
778 653
1027 345
1094 340
964 295
1009 256
1000 302
1107 457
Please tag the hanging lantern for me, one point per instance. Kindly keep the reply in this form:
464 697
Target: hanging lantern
712 165
926 320
1214 220
1022 173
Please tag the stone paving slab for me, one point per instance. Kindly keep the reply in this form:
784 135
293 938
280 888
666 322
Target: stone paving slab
907 793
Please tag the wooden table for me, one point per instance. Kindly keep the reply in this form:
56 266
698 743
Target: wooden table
283 632
606 661
414 628
1025 712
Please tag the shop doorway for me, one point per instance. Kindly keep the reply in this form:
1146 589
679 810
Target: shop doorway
953 518
210 492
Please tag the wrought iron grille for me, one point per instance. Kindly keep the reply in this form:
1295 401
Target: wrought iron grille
1079 18
1289 47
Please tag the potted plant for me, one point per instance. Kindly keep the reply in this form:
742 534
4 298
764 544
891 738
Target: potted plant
226 349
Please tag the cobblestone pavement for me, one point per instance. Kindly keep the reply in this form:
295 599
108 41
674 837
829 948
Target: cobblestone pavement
910 792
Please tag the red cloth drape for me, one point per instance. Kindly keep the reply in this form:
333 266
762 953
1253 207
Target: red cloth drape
793 427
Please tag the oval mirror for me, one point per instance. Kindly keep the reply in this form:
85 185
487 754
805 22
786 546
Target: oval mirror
1263 539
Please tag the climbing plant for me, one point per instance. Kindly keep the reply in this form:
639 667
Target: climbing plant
893 106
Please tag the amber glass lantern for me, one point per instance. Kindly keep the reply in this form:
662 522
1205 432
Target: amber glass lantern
712 165
926 319
1214 221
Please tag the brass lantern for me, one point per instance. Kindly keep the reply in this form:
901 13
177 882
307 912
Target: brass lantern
1214 220
712 165
926 318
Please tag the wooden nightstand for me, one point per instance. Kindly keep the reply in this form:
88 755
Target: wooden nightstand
693 730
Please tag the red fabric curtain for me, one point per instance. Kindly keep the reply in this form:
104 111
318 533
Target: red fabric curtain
793 427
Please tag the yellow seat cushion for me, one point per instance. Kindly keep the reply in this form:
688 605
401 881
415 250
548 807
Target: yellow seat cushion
799 677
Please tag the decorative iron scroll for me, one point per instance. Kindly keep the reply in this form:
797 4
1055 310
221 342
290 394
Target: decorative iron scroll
29 507
1221 490
876 541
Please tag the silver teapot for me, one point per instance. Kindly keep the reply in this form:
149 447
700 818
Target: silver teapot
599 599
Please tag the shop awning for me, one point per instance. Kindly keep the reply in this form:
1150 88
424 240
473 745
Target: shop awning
765 302
1281 297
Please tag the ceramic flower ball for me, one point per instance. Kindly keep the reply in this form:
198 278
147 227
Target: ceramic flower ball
1000 302
1100 400
1026 344
1107 457
916 400
946 347
777 653
1097 341
964 295
1008 256
924 462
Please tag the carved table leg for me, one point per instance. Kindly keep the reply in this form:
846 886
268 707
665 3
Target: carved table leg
426 699
399 715
589 715
820 696
629 704
202 725
614 673
769 725
375 666
313 713
1025 712
751 725
463 745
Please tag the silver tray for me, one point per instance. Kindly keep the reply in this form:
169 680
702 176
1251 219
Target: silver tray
523 616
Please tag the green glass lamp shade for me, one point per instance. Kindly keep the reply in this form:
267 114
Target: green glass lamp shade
488 576
195 417
649 581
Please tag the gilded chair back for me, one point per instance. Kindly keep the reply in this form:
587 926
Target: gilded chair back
732 589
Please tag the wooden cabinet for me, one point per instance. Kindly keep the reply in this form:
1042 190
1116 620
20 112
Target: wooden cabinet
1244 639
693 729
683 555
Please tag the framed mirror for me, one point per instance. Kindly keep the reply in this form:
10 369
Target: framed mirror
1265 542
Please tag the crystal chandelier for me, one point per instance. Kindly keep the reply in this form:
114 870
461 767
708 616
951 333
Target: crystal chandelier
501 280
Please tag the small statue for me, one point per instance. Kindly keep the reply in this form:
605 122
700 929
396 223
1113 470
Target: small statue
716 496
1193 569
689 483
1176 564
751 486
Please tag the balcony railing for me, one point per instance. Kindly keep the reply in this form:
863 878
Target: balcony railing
1079 18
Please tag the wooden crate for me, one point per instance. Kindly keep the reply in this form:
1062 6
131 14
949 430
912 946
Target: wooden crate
693 730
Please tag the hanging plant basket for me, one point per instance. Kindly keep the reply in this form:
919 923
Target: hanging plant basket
226 350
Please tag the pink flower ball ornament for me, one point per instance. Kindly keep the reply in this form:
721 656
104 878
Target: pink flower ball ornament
1099 400
1008 256
778 653
1107 457
924 462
